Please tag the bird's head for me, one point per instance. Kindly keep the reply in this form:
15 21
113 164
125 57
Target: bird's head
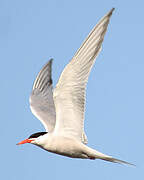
32 138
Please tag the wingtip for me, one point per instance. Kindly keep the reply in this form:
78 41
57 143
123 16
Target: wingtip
111 11
51 60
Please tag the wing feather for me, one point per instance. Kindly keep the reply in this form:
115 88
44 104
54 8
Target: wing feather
69 94
41 99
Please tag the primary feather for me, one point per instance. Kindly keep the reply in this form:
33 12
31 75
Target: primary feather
69 94
41 99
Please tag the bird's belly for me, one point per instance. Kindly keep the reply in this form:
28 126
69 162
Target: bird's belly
66 147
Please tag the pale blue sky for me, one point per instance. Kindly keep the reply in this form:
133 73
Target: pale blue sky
31 32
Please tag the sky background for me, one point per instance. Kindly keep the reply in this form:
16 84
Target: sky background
32 32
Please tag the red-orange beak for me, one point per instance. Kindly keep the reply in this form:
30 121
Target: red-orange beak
25 141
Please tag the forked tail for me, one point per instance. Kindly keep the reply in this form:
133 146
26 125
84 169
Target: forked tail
93 154
114 160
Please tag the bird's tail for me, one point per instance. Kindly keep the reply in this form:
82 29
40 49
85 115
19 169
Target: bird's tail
114 160
98 155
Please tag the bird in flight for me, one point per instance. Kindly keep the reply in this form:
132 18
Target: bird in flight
61 110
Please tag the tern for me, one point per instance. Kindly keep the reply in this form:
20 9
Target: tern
61 110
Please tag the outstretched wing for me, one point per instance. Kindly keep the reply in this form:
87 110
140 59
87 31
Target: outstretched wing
69 94
41 99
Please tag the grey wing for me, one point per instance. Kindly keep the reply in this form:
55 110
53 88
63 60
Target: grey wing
41 99
69 94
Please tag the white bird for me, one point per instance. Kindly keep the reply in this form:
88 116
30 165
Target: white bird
61 110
